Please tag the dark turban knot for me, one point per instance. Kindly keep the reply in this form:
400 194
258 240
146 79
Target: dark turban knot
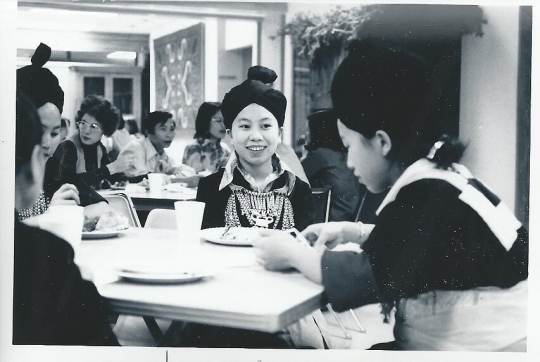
254 90
38 83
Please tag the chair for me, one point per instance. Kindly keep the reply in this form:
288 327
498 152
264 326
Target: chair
161 219
321 203
122 203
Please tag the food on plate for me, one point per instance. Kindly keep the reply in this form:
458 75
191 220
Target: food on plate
90 224
110 221
239 234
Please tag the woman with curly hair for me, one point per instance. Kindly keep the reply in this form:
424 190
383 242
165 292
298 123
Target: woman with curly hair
82 153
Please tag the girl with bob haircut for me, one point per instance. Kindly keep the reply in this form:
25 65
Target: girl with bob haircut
206 153
445 252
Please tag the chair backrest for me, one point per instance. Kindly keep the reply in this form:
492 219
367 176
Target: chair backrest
321 203
122 203
161 219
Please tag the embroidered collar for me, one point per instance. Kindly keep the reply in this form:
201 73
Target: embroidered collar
280 168
489 207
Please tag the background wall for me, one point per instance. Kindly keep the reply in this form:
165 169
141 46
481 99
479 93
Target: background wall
489 101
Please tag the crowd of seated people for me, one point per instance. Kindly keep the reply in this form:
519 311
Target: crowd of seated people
428 251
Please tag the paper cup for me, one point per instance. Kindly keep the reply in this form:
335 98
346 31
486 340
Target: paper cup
189 215
65 221
155 181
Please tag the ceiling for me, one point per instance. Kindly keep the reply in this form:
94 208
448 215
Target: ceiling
103 22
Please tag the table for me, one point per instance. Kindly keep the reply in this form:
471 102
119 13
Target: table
239 294
147 201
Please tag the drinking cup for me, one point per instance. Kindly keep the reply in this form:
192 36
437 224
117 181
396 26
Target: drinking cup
189 215
65 221
155 181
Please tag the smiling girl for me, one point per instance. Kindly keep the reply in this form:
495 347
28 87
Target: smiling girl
255 188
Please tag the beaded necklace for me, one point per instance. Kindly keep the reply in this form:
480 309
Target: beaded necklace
261 209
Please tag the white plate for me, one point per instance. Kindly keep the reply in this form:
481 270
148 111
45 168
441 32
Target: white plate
178 277
242 236
101 234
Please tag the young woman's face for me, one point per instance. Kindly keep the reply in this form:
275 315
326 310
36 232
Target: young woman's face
217 128
366 158
90 130
255 135
51 125
163 134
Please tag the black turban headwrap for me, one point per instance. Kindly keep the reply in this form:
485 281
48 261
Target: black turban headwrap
254 90
38 83
379 88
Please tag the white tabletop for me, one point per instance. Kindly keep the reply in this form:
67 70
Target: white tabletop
239 293
146 201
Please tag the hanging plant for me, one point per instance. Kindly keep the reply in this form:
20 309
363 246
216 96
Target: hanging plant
316 36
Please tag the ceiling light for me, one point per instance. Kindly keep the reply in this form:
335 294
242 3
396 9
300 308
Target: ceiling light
122 55
73 12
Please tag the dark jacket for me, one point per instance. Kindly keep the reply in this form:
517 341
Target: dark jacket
216 201
52 304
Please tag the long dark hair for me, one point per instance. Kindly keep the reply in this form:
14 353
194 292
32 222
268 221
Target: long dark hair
381 88
204 117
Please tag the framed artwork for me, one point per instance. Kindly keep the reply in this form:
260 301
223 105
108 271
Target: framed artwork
179 69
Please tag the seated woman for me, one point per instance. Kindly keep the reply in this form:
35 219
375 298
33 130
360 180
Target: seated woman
82 154
52 304
42 88
146 155
206 153
255 188
445 251
326 165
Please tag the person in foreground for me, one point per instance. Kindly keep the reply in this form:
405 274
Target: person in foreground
52 304
255 188
207 153
445 251
41 86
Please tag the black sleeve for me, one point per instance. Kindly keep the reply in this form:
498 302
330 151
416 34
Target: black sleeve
302 204
214 210
61 168
348 280
53 305
51 184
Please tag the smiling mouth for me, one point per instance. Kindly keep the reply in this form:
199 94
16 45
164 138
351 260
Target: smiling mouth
256 148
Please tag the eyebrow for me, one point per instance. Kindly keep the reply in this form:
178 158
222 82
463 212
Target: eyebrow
249 120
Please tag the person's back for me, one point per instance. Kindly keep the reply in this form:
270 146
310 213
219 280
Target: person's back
326 165
52 304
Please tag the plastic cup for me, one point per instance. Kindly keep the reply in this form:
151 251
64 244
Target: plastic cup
189 215
65 221
155 181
